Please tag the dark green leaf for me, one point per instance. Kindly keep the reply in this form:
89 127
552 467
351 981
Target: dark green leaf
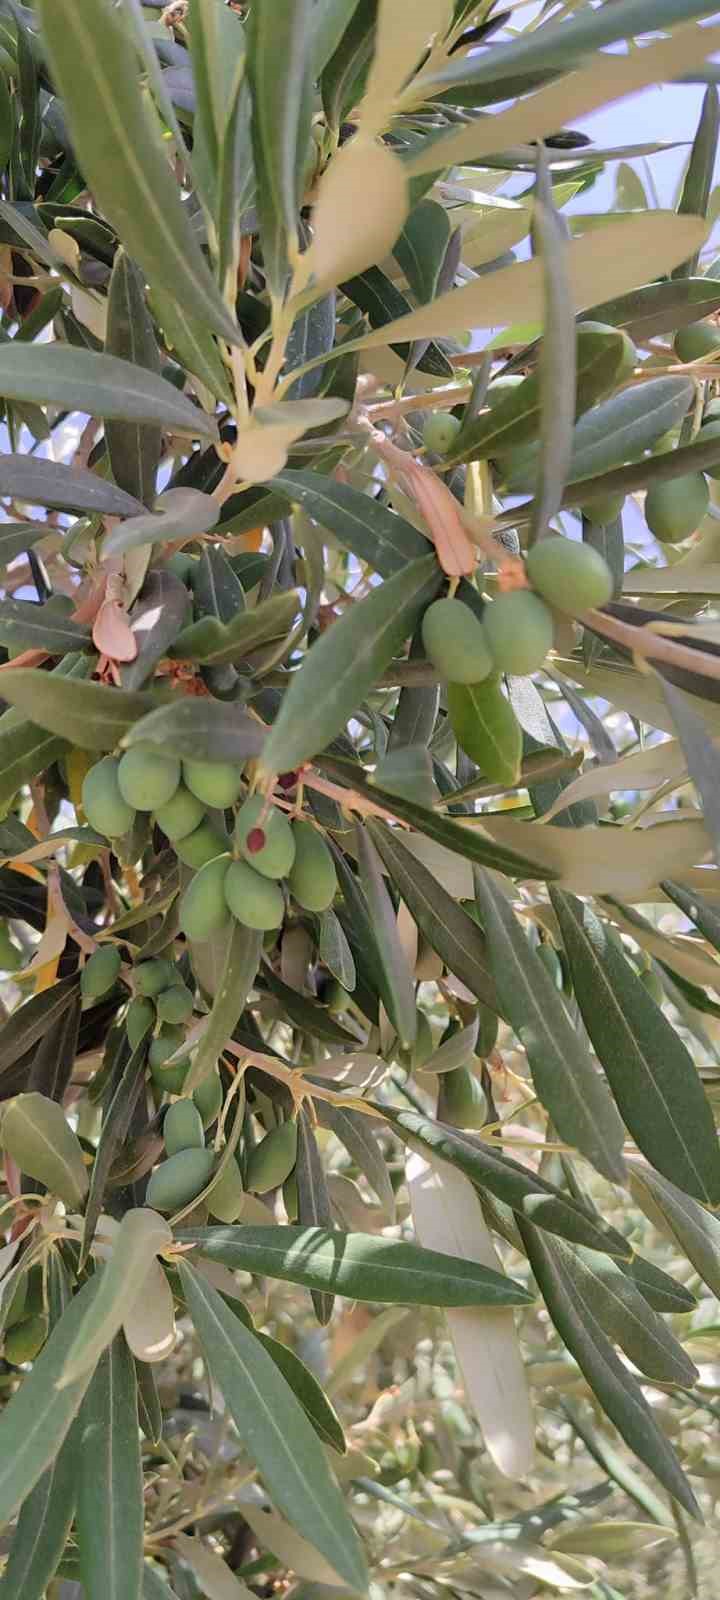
334 951
660 307
279 66
377 296
486 728
113 1135
304 1013
214 643
372 532
156 621
357 1265
48 483
188 336
344 663
567 1084
695 1230
176 514
92 57
651 1074
134 449
37 1418
398 984
30 1021
557 363
242 958
92 716
201 729
150 1416
275 1431
314 1210
702 759
615 1463
705 918
356 1132
627 1319
614 1387
54 1059
110 1512
343 79
461 841
661 1291
700 170
42 1529
101 385
422 246
18 536
307 1390
28 626
448 929
509 1182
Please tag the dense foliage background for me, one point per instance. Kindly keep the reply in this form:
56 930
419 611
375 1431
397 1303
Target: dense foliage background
359 791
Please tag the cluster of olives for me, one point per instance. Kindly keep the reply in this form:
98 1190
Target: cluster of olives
246 885
516 631
179 794
189 1165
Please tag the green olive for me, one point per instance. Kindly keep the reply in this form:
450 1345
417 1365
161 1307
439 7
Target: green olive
175 1004
169 1079
273 1159
101 972
606 508
203 907
147 778
216 783
103 803
265 838
440 432
255 901
139 1020
629 353
183 1128
204 844
675 509
462 1100
151 977
696 340
519 631
571 576
226 1196
312 880
208 1097
182 814
454 640
179 1180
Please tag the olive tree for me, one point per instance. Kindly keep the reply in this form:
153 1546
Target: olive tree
359 782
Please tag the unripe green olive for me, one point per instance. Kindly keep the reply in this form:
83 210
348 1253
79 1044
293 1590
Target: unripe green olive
139 1020
502 387
216 783
182 814
629 355
569 575
674 509
201 846
203 907
226 1196
519 631
179 1180
440 432
273 1159
454 640
169 1079
183 1128
147 778
265 838
606 508
103 803
100 972
462 1100
255 901
25 1341
208 1097
711 430
312 880
696 340
151 977
175 1004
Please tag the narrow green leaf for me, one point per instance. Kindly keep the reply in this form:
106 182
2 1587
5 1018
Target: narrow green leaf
650 1071
572 1093
614 1387
274 1430
643 474
358 1265
280 67
700 170
113 1134
702 759
619 429
314 1209
92 58
101 385
15 537
705 918
398 986
344 663
627 1319
242 959
308 1015
334 951
37 1418
515 419
213 643
355 1131
422 246
659 307
695 1231
214 730
92 716
150 1416
661 1291
615 1463
26 625
188 336
156 620
509 1182
110 1512
134 449
557 362
54 1059
140 1237
486 728
49 483
371 531
176 514
42 1530
462 841
32 1020
346 69
448 929
308 1391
